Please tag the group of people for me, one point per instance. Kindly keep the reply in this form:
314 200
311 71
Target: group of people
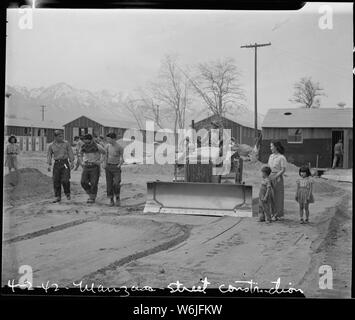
91 155
271 194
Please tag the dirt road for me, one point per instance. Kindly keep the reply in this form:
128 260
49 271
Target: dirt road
74 241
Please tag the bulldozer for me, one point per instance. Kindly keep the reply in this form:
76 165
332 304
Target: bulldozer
198 190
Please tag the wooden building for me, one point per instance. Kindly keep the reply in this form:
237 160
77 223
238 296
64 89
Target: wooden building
309 135
31 135
241 126
98 127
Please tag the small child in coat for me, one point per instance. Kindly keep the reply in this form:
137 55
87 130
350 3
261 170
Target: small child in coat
265 196
304 195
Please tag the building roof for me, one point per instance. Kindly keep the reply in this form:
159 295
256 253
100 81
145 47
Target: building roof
309 118
242 116
18 122
111 123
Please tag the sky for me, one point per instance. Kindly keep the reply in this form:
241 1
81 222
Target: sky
121 50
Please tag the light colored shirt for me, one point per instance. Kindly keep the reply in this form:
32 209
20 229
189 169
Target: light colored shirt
93 157
277 162
114 153
60 151
12 148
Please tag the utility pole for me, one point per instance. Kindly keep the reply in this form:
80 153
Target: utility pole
255 46
158 113
42 107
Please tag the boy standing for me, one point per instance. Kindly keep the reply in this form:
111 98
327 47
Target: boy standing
61 151
112 166
265 195
90 157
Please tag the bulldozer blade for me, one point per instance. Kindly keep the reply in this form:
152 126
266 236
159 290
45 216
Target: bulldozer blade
212 199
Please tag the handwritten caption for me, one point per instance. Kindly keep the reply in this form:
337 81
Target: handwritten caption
174 287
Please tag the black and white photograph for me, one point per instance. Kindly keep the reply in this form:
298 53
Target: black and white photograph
178 152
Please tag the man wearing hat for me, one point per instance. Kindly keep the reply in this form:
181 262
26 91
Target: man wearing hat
61 151
90 157
112 166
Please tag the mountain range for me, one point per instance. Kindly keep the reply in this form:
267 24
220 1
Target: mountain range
64 103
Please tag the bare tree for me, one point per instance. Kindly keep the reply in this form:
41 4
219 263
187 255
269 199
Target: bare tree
150 108
143 107
135 110
217 83
306 93
171 91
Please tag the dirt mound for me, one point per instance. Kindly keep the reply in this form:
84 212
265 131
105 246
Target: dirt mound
321 186
27 183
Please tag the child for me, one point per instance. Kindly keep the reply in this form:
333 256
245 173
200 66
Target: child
304 195
12 150
265 195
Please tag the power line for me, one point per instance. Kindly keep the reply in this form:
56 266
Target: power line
329 67
255 46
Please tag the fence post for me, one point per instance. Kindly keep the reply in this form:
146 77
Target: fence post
29 144
24 144
37 144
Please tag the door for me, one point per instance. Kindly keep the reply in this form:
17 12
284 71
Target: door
83 131
336 136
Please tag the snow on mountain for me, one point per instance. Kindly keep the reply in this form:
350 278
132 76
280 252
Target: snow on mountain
64 103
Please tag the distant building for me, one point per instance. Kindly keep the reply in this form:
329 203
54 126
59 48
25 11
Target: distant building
98 127
31 135
241 125
309 134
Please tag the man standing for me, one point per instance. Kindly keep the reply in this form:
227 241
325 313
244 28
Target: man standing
61 151
112 165
338 153
79 142
90 157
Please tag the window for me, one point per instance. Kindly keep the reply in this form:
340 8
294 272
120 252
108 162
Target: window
294 136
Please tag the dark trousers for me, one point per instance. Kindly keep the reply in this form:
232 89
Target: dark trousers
61 177
90 179
113 180
337 161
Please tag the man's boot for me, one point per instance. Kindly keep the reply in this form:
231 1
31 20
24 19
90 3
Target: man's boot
57 199
91 199
112 203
